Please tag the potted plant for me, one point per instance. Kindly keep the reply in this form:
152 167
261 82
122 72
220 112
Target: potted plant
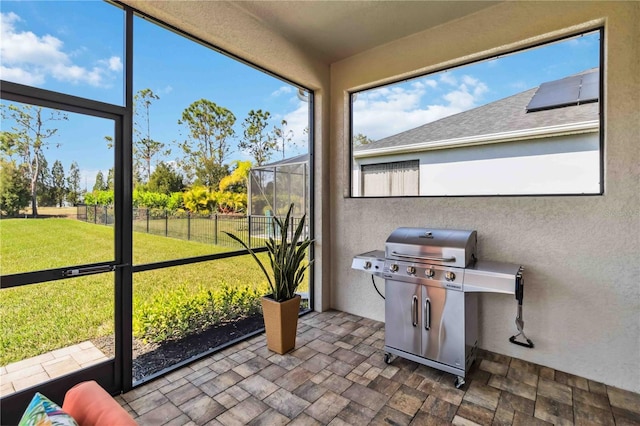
280 309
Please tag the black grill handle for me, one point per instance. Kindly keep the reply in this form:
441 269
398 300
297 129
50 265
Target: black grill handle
519 287
519 322
529 343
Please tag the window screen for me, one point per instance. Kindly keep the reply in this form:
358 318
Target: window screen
391 179
525 122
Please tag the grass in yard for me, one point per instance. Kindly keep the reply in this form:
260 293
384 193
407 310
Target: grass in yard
41 317
35 244
50 211
38 318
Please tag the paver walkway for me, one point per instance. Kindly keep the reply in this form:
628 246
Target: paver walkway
337 376
29 372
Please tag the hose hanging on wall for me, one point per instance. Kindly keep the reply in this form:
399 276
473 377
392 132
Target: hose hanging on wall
376 287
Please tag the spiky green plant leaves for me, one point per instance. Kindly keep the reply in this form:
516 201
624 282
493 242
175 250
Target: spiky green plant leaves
286 258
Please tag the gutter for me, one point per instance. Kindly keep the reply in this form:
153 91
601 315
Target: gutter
591 126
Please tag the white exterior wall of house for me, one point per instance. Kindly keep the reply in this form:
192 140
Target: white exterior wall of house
581 253
564 164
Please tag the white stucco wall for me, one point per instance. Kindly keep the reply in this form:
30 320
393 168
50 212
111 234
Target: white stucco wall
560 165
581 254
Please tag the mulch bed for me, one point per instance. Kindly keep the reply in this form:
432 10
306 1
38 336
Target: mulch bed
150 358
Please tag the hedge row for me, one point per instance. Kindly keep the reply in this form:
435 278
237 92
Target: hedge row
180 313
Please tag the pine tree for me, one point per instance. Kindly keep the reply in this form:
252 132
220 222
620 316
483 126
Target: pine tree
73 184
58 187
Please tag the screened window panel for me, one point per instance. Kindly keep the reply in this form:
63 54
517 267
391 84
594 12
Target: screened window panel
391 179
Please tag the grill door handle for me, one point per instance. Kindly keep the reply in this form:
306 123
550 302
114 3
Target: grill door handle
427 314
434 258
414 310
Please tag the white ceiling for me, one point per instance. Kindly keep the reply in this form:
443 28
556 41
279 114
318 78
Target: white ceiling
328 30
335 30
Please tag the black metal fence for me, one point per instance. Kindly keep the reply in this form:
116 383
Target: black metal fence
253 230
102 215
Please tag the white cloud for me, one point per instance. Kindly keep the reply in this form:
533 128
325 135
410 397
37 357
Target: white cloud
282 91
460 99
297 127
172 163
583 41
389 110
115 63
465 97
298 123
29 59
519 85
165 90
448 78
480 89
471 81
21 76
431 83
88 178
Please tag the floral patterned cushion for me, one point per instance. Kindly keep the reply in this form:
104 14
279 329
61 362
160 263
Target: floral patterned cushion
44 412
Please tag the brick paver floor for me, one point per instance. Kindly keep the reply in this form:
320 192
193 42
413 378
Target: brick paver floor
337 376
29 372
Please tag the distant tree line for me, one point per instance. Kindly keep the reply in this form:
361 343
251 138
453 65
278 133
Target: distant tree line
200 180
25 176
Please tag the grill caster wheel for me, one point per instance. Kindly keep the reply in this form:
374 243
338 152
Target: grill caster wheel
388 358
459 382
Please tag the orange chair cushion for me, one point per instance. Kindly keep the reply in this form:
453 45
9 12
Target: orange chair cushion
90 405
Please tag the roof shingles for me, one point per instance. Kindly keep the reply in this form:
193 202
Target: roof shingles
502 116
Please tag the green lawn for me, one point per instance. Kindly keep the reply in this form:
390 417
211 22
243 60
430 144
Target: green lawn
38 318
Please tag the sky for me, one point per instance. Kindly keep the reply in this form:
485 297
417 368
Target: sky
76 47
391 109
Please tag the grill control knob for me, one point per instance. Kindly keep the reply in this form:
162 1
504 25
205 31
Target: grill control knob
367 265
450 276
411 270
429 273
394 268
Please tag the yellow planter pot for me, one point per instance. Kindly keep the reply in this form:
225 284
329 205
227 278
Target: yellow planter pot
281 323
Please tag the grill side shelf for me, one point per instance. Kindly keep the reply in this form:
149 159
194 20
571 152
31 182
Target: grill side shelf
491 277
371 262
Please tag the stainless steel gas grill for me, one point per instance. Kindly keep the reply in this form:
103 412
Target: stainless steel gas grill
432 277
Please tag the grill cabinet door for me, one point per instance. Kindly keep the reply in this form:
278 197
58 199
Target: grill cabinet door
403 316
443 326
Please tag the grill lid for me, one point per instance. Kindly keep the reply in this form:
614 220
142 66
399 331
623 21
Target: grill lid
450 247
